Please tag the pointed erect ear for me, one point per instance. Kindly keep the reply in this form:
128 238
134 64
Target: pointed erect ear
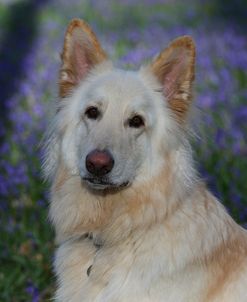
81 52
174 68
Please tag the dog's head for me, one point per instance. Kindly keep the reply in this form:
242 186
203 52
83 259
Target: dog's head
114 126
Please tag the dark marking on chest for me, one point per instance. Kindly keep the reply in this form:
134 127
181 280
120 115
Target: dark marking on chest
98 244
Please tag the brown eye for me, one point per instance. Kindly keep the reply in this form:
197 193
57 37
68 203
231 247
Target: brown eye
92 113
136 121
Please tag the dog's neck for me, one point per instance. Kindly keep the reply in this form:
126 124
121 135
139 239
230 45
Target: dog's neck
168 204
116 214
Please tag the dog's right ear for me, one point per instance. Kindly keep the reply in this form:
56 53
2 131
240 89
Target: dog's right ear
81 52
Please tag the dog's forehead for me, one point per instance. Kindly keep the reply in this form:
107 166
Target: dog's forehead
119 85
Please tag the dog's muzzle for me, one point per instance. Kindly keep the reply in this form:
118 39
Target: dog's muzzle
99 163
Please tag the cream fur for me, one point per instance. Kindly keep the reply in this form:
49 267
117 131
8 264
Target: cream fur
164 237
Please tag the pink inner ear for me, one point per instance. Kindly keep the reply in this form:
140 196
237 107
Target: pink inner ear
176 68
81 62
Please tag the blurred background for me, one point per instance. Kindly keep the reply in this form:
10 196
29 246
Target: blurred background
131 31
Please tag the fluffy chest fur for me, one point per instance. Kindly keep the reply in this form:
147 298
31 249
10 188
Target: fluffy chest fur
127 272
191 252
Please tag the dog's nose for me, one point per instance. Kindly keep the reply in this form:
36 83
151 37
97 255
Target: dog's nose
99 163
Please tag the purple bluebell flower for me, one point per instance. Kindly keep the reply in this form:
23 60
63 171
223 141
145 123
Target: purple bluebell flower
33 291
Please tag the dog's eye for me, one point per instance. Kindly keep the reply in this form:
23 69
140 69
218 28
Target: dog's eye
136 121
92 113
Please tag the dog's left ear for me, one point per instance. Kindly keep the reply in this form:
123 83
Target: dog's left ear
174 68
81 52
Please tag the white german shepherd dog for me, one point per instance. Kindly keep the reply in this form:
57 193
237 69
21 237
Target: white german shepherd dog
133 220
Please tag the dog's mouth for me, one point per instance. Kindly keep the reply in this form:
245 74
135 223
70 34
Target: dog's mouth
101 184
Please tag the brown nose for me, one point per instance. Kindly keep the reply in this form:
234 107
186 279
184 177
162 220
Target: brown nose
99 162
